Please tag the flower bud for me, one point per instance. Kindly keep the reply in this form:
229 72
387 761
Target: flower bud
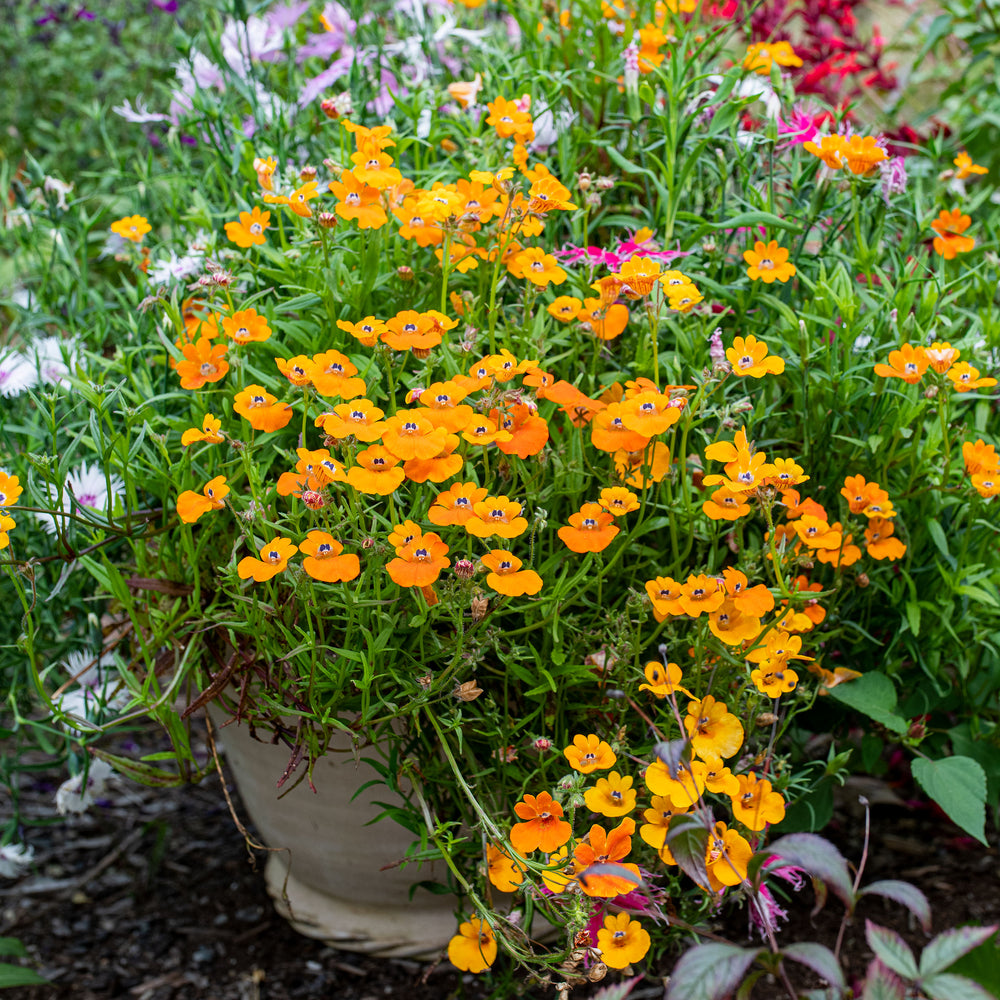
465 569
862 580
327 220
405 273
542 744
765 719
313 500
307 173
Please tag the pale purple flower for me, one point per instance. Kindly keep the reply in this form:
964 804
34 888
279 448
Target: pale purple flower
174 268
53 358
716 349
88 486
76 795
287 15
893 177
384 102
246 42
332 74
324 44
631 57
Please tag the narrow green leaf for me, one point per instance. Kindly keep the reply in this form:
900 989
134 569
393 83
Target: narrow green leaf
958 786
12 946
14 975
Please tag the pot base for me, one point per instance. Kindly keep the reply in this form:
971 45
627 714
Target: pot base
407 931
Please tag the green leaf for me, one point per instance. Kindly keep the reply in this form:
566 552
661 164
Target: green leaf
937 534
949 987
958 786
947 948
14 975
709 972
906 895
819 958
687 839
913 616
750 219
891 950
12 946
818 857
874 695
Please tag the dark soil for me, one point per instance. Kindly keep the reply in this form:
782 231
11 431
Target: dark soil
154 896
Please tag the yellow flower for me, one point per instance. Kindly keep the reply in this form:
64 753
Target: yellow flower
611 796
473 948
966 168
589 753
502 871
712 728
622 941
768 262
131 227
755 804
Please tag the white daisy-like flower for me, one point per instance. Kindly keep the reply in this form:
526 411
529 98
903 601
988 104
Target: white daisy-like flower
175 268
76 796
54 358
89 487
17 373
15 859
140 114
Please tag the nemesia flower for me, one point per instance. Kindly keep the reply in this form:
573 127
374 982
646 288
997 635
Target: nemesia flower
249 231
297 370
701 593
420 562
323 559
501 869
607 848
727 857
978 457
748 356
684 790
131 227
965 378
274 556
536 266
498 516
377 471
210 432
358 202
542 826
466 91
367 331
191 505
755 804
332 374
602 320
262 410
966 168
733 626
473 948
762 55
648 413
590 753
665 594
246 326
203 362
10 490
830 149
507 577
611 796
941 356
768 263
298 200
654 830
712 728
622 941
591 529
861 154
618 501
639 468
908 363
949 227
724 505
879 541
663 681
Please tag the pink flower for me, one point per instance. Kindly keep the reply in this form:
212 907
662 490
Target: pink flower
594 256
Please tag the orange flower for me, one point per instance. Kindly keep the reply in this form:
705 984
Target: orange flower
420 562
542 826
376 472
296 370
606 848
246 326
274 556
908 363
862 154
324 560
249 231
483 431
528 431
949 226
202 363
444 406
361 419
701 594
649 413
712 728
638 276
610 433
298 200
879 541
755 804
774 681
313 471
261 409
333 374
547 194
618 501
496 516
409 434
639 468
473 948
987 484
536 266
374 167
779 647
367 331
131 227
941 356
589 753
724 505
402 534
466 91
456 505
622 941
859 494
830 150
359 202
748 356
605 321
762 55
733 626
591 529
502 870
965 378
978 457
191 505
442 466
768 262
966 168
816 533
509 121
507 577
410 330
564 308
210 432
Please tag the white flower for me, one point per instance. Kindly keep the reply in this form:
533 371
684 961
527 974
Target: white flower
59 188
175 268
17 373
54 357
246 42
73 796
140 114
88 486
15 859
